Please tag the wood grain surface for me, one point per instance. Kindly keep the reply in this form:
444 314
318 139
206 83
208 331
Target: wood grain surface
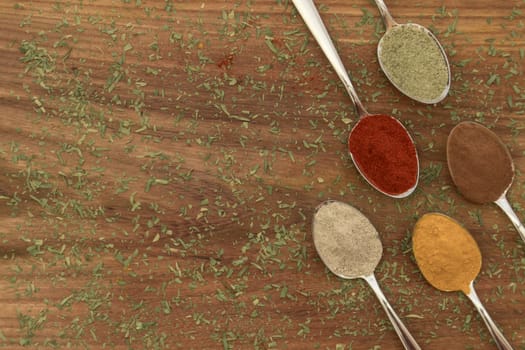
160 162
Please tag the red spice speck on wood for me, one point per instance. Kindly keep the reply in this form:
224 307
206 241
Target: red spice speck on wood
384 153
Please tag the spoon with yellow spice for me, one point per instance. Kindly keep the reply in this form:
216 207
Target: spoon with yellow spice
449 259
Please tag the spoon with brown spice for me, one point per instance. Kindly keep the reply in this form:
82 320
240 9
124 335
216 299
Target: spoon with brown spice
380 146
481 167
413 59
349 245
450 260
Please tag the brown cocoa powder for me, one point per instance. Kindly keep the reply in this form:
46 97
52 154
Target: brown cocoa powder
479 163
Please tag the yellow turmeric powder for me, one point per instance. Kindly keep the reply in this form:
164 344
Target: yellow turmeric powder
446 253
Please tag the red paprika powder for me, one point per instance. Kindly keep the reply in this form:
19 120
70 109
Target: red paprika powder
384 153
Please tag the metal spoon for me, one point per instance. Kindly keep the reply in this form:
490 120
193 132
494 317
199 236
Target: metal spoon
342 233
466 165
456 261
311 17
391 25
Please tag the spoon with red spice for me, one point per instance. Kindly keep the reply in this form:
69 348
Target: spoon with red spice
381 148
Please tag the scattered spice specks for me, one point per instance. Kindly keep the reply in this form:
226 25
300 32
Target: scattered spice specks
160 163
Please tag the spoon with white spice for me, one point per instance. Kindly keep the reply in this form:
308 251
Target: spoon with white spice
349 246
413 59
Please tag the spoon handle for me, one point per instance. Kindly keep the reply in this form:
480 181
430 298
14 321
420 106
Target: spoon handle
504 204
404 335
498 337
311 17
388 20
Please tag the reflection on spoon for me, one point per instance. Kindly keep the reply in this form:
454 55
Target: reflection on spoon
413 59
350 247
394 172
450 260
481 167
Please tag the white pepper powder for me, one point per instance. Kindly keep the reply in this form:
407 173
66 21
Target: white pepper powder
346 241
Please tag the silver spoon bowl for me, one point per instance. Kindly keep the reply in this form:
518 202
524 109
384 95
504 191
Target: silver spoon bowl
392 25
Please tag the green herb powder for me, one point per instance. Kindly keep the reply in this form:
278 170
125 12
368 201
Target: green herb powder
414 63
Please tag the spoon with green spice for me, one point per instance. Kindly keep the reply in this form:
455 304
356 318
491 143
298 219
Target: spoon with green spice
349 246
380 146
413 59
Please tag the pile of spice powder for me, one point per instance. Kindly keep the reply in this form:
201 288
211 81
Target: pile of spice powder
414 63
346 241
385 154
446 253
479 163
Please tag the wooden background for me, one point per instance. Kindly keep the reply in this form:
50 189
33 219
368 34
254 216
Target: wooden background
160 162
